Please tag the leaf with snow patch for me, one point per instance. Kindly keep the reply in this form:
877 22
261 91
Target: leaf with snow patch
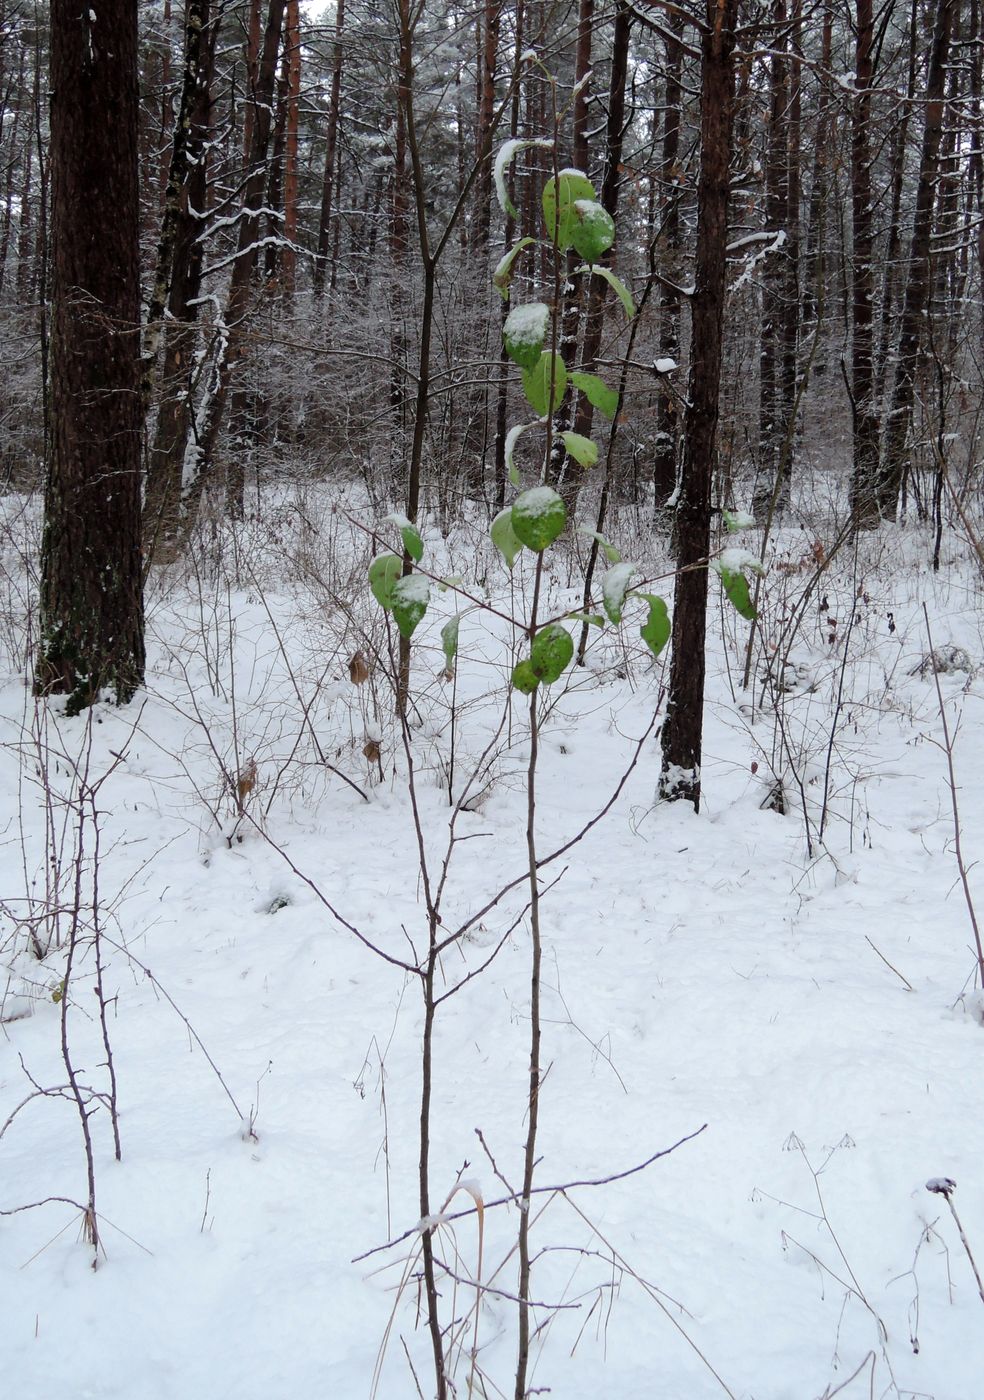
559 198
551 652
549 371
449 641
735 520
524 333
611 553
384 571
596 391
733 565
594 231
614 587
538 517
409 534
507 153
410 598
524 678
617 286
581 448
506 266
504 537
735 586
655 631
595 619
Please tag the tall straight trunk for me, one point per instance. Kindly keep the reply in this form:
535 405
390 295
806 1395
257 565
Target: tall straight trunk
486 107
293 43
331 139
562 469
614 135
275 177
177 332
683 729
502 387
918 280
893 253
770 426
185 149
813 293
233 336
864 493
91 585
791 309
667 419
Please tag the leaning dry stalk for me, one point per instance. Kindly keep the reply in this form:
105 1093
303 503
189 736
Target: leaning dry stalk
944 1186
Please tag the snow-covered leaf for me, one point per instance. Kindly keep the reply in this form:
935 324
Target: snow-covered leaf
410 598
506 155
409 534
524 333
594 229
614 586
538 517
559 198
512 437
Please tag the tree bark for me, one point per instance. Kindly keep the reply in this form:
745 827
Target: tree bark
683 729
864 492
91 587
918 282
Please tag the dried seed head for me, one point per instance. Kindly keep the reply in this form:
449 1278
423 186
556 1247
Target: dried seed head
371 751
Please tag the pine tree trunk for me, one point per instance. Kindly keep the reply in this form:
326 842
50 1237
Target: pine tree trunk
91 587
683 730
864 494
918 282
667 419
331 138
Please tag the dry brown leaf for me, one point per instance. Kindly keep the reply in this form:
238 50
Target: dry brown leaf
358 669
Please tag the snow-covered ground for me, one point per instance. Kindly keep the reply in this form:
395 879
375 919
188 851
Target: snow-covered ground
807 1007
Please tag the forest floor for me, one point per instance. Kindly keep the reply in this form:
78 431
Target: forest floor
802 1008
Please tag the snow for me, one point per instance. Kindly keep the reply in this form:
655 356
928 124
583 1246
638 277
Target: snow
528 324
812 1003
665 365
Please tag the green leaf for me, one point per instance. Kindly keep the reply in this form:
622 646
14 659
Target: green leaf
559 198
524 678
594 231
735 585
618 286
384 571
449 641
611 553
614 587
512 437
409 534
524 333
504 537
596 391
502 276
411 595
581 448
551 652
536 383
655 631
538 517
595 619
